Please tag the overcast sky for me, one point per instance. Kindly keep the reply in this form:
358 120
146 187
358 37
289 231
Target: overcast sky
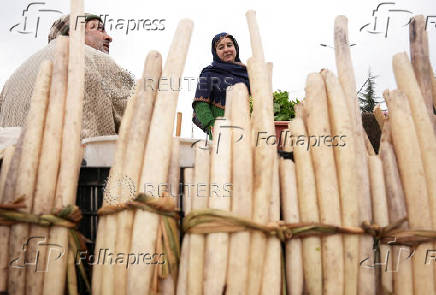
292 32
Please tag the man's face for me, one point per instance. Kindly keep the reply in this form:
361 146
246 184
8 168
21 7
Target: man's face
96 36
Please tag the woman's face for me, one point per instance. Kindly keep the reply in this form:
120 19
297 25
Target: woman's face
225 49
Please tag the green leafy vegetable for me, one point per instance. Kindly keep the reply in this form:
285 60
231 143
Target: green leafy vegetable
283 107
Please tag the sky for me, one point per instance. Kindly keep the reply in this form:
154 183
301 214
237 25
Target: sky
291 32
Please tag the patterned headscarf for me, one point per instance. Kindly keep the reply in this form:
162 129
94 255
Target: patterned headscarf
62 25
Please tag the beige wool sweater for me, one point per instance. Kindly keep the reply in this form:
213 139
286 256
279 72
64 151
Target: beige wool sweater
107 88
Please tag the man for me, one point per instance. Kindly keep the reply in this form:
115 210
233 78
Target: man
95 34
107 86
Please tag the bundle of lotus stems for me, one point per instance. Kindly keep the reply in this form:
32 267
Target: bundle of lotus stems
386 270
24 164
43 171
335 179
141 135
233 263
157 158
72 152
238 187
107 227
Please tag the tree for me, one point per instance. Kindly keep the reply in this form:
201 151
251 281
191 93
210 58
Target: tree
367 98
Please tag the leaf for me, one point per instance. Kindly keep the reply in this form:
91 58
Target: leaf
276 107
281 117
283 107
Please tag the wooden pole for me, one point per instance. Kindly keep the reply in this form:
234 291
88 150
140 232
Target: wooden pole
179 124
174 169
168 285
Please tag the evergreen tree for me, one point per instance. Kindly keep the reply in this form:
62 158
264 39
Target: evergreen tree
367 98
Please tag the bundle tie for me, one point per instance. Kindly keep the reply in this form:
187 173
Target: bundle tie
168 236
67 217
207 221
161 206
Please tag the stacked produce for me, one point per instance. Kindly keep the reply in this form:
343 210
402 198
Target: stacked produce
146 156
25 167
43 172
344 213
316 117
242 180
352 202
396 178
157 157
264 154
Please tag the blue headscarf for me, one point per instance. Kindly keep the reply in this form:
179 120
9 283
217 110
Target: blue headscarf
220 67
215 78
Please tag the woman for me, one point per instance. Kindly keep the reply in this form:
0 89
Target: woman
225 70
